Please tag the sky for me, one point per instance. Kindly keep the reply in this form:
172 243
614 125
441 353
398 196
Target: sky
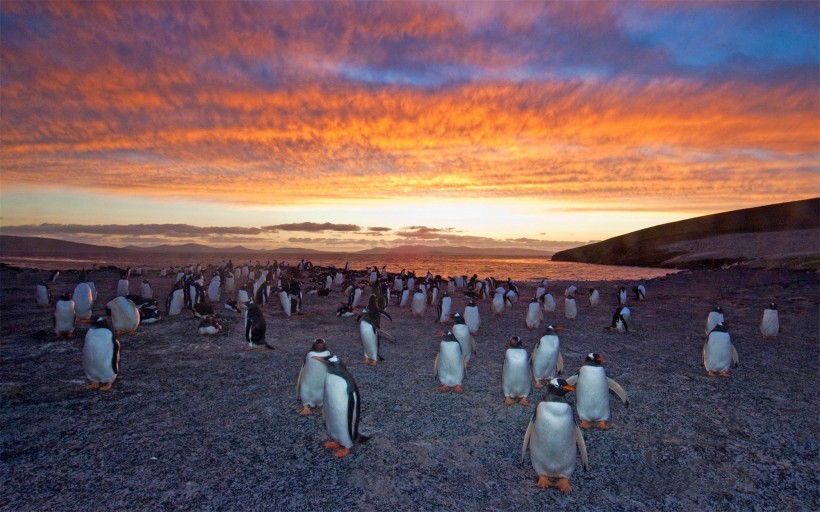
340 126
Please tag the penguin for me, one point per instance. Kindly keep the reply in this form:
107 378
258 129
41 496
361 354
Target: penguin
443 308
622 295
145 290
511 296
101 355
369 329
594 297
64 317
125 315
344 310
43 294
546 359
295 297
342 407
534 314
255 327
640 292
449 366
310 385
175 301
149 314
472 317
123 285
232 305
54 275
209 326
284 300
770 323
465 338
404 298
354 297
715 317
214 288
230 283
499 302
202 310
553 437
570 307
516 377
592 392
243 295
570 291
419 304
619 319
719 353
548 302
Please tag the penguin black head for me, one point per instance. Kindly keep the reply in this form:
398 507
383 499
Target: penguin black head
721 327
594 358
449 336
772 305
319 345
66 296
515 342
99 322
718 309
457 318
551 331
558 387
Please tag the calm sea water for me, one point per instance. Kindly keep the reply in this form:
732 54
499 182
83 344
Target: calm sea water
515 268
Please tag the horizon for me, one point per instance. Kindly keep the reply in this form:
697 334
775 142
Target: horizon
339 127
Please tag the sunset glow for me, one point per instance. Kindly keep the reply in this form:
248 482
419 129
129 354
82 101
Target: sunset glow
358 124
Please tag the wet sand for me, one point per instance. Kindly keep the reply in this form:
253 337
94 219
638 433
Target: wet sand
197 423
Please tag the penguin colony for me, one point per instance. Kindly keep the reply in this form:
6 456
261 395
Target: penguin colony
552 438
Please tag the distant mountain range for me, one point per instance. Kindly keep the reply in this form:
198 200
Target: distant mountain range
783 235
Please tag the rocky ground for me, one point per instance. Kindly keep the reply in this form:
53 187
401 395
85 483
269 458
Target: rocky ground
196 423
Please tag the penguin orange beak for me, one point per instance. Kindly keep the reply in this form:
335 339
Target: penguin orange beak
320 359
568 387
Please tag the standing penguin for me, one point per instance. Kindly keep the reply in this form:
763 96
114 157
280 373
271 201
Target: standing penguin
369 329
548 302
619 319
444 305
592 392
640 292
101 356
622 295
472 317
255 327
715 317
404 298
465 338
83 301
770 323
125 315
419 304
719 353
175 300
553 438
534 314
214 288
499 301
64 316
145 289
310 386
546 359
449 366
594 297
43 294
341 408
570 307
516 377
123 285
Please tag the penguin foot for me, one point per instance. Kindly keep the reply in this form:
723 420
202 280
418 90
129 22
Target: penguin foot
524 401
602 425
306 411
725 373
332 445
508 401
92 385
544 482
563 485
584 424
444 388
458 389
106 387
538 384
341 452
710 373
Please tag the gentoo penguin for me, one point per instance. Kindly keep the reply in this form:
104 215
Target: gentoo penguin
209 326
344 310
341 408
622 295
499 301
719 353
125 315
570 291
449 366
546 359
101 356
465 338
594 297
64 316
534 314
310 386
570 307
419 304
592 392
640 292
369 329
404 298
54 275
516 377
43 294
145 289
619 319
123 285
472 317
214 288
443 308
715 317
553 437
202 310
149 314
175 301
230 283
284 300
548 302
255 327
354 297
770 323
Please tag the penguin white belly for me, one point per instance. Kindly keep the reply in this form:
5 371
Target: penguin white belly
83 300
592 394
594 298
552 440
125 316
339 279
284 299
64 317
146 292
42 296
213 289
370 340
122 287
336 409
446 305
312 380
357 296
472 319
545 358
712 320
498 304
419 304
549 303
570 309
465 340
534 315
405 298
516 381
540 291
770 323
177 299
98 356
718 352
451 364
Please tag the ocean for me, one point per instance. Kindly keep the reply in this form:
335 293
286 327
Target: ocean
517 268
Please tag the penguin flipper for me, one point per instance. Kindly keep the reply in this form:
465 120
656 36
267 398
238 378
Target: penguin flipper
435 366
559 365
389 337
735 359
299 381
473 345
385 314
527 439
618 390
582 447
572 381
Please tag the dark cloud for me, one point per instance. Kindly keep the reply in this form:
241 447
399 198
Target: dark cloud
379 229
313 227
167 230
